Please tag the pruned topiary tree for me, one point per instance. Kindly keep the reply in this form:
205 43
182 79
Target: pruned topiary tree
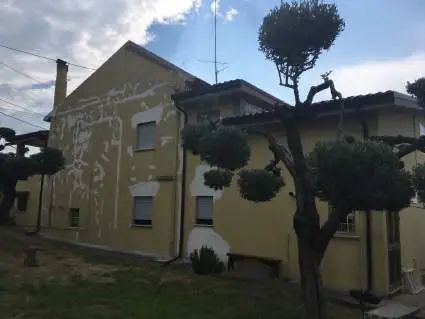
349 174
15 167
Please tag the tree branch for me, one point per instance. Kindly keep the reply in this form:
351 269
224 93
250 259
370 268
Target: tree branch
404 144
329 228
327 84
280 152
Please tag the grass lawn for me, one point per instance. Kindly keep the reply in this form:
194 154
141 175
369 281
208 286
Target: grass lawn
79 283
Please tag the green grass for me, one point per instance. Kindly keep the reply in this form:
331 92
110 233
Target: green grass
142 290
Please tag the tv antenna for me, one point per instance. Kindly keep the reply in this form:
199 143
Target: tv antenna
218 66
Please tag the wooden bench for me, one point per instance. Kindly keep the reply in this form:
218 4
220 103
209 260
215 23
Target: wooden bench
275 264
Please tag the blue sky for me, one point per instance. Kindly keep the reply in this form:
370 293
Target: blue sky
382 47
376 31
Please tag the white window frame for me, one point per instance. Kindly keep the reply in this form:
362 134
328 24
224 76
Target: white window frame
145 146
143 222
204 221
348 225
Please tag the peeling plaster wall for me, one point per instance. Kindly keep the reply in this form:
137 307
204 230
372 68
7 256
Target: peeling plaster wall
96 129
266 229
205 236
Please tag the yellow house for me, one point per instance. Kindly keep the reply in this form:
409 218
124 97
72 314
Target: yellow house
128 185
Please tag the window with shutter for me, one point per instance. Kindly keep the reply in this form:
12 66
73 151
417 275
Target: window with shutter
143 207
146 136
22 201
204 210
74 217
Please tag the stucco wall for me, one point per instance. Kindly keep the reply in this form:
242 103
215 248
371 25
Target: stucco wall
265 229
412 219
96 129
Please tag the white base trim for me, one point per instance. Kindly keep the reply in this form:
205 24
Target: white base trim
155 257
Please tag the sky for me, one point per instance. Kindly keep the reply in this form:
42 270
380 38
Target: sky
381 48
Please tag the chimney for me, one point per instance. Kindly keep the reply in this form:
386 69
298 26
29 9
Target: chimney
61 81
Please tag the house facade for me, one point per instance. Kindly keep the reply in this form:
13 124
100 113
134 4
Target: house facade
129 186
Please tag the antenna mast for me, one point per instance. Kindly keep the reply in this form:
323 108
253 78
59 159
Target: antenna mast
215 42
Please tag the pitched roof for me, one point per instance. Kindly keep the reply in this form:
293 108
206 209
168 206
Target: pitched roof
351 103
129 45
223 87
37 138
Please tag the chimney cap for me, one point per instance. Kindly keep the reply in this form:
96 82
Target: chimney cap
61 62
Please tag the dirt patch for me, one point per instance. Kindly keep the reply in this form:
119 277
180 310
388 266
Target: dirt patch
53 265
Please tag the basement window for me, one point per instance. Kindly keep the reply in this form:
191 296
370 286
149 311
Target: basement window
146 136
204 210
74 217
22 201
143 207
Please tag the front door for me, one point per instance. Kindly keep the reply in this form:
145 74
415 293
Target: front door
394 256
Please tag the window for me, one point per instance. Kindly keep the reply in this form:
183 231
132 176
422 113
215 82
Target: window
143 206
348 225
146 136
22 201
204 210
74 217
207 117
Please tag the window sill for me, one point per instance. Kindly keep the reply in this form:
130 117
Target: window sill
139 150
74 228
141 226
347 236
203 225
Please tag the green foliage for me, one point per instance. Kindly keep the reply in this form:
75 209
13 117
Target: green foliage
205 261
7 133
293 35
48 161
192 136
417 89
223 147
360 176
218 178
259 185
419 181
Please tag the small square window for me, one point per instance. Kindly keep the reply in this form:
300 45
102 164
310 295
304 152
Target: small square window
143 207
348 225
146 136
22 201
74 217
204 210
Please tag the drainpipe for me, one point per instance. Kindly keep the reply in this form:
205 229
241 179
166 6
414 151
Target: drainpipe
183 191
40 202
368 229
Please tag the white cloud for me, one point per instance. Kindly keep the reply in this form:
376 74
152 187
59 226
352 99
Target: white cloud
379 75
84 32
215 6
231 14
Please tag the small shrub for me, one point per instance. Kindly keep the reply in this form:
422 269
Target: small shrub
205 261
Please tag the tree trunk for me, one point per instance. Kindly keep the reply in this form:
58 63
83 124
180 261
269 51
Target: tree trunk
307 228
311 280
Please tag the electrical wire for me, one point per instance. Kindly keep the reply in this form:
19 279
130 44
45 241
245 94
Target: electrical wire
44 57
23 121
20 72
22 107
